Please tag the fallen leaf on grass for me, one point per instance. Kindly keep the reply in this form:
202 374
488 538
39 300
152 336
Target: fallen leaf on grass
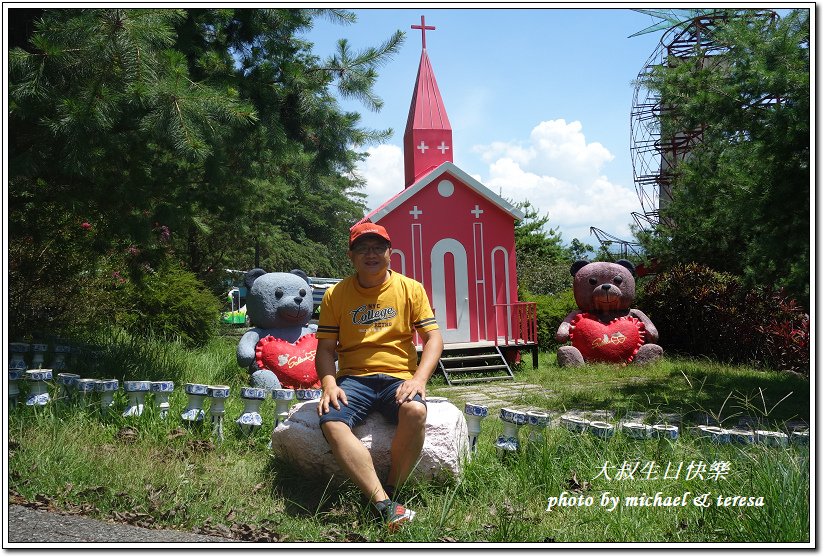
127 434
175 433
199 445
354 537
143 520
154 496
81 509
258 487
16 499
239 531
575 486
41 501
93 490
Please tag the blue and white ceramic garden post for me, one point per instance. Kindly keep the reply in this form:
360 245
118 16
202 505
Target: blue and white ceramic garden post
217 407
61 351
508 444
85 389
17 368
38 387
161 391
250 419
538 422
17 356
136 392
474 414
106 388
195 393
283 400
38 355
67 382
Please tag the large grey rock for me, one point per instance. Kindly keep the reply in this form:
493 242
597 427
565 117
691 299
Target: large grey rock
300 441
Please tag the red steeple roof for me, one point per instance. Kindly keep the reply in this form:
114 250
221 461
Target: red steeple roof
427 142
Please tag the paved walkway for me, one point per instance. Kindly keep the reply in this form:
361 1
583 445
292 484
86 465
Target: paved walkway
41 528
507 394
494 394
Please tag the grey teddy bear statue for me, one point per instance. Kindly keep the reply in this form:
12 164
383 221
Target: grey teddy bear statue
279 349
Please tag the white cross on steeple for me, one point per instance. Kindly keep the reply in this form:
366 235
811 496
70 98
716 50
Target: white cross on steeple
477 211
442 147
423 147
415 212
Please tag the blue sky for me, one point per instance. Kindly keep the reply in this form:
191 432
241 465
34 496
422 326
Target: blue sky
539 100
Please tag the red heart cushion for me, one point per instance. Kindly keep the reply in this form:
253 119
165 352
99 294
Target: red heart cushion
293 364
616 341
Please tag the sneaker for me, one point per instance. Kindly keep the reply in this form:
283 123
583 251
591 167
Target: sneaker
394 514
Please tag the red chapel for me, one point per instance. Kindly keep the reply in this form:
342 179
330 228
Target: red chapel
452 233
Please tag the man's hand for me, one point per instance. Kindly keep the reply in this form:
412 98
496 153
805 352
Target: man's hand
332 394
432 348
408 389
325 364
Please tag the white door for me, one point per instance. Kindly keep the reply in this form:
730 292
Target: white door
454 327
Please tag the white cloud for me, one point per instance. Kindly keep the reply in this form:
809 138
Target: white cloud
561 174
383 172
555 169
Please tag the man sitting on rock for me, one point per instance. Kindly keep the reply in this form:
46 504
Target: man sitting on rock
370 318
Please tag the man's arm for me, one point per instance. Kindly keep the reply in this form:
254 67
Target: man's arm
431 353
325 366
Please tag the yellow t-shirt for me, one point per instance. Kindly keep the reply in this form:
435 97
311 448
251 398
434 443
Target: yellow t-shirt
374 327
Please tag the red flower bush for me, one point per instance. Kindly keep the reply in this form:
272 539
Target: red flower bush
701 312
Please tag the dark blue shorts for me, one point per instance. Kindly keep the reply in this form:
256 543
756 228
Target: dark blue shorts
365 395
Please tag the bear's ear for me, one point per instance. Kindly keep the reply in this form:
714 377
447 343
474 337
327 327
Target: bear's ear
301 274
251 276
577 266
627 264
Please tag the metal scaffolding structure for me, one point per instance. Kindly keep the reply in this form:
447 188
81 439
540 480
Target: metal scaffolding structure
688 33
654 156
625 247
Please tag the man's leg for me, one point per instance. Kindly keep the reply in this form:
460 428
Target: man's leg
408 442
354 458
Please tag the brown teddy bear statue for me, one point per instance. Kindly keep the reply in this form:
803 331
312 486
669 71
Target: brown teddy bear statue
605 328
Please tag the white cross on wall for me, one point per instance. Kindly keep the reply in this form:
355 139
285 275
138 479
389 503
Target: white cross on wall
443 147
477 211
423 147
415 212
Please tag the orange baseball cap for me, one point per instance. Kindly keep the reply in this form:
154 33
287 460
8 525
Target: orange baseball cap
364 228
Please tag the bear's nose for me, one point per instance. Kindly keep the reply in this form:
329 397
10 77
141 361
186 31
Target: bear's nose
298 300
606 287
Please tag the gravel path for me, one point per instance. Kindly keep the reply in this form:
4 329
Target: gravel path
40 528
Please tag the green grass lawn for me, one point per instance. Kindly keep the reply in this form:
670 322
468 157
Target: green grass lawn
156 473
694 389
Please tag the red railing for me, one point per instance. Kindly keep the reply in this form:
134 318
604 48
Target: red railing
516 323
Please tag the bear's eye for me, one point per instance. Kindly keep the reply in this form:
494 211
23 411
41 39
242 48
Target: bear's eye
279 293
302 293
593 281
618 280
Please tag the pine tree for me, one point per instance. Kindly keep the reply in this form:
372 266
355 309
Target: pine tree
741 200
196 135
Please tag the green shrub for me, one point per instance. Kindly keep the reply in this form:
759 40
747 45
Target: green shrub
551 311
701 312
172 303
